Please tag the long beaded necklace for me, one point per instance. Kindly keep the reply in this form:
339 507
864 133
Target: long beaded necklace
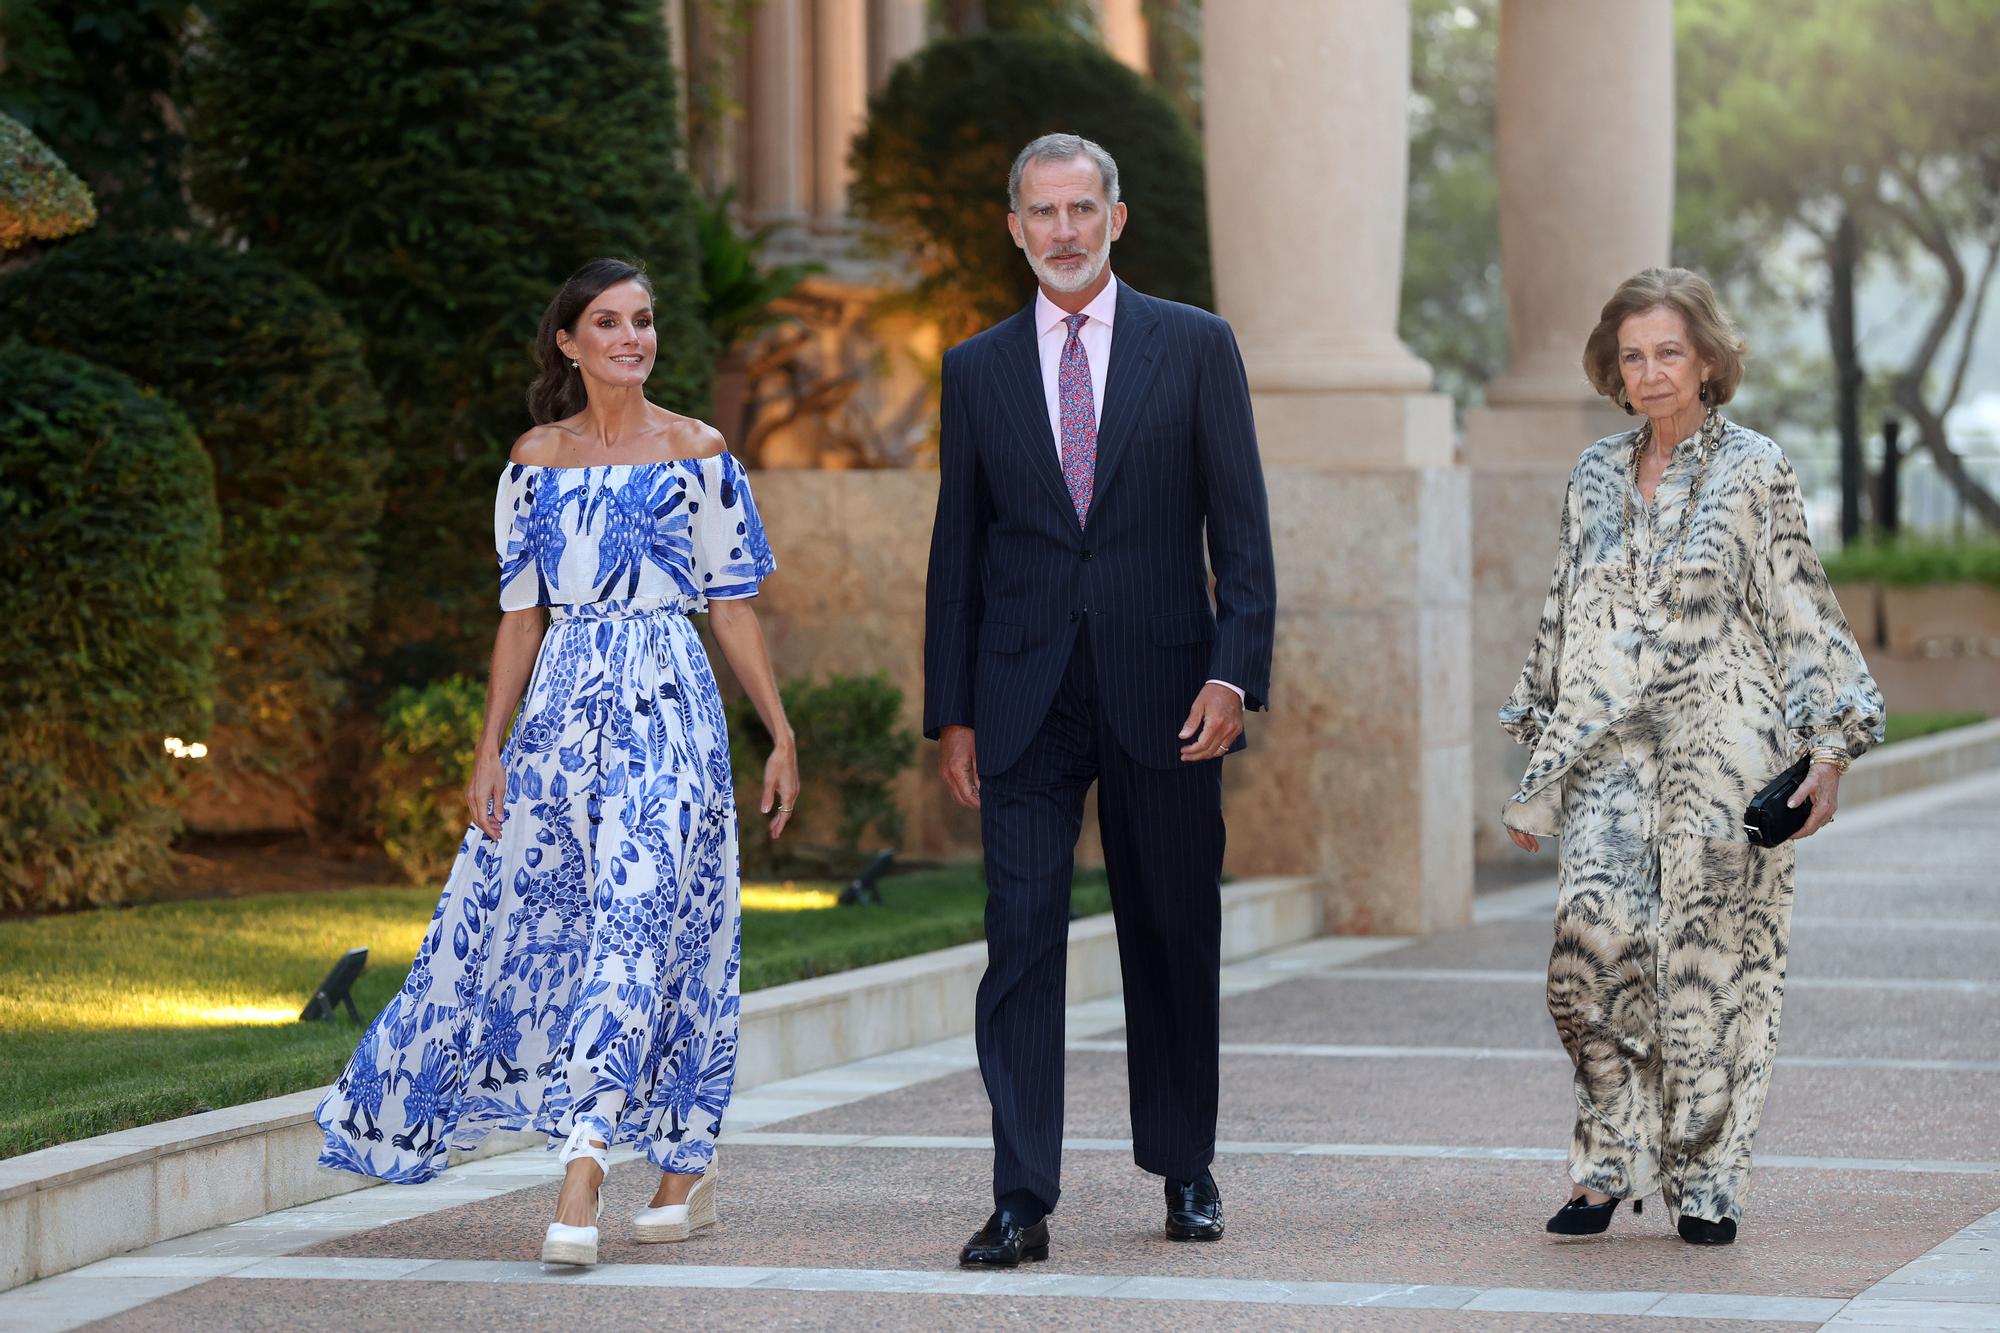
1710 435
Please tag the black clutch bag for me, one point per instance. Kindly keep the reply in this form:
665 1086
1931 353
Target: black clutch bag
1769 821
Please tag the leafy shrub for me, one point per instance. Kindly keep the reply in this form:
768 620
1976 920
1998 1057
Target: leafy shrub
429 738
438 170
931 169
1913 561
97 80
40 198
109 616
277 390
851 749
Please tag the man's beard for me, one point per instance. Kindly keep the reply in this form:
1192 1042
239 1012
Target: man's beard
1073 280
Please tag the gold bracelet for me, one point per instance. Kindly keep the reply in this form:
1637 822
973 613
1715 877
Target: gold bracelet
1827 754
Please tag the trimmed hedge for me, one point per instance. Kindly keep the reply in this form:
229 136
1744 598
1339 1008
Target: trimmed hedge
1914 561
40 198
852 749
109 616
430 737
931 170
276 388
438 170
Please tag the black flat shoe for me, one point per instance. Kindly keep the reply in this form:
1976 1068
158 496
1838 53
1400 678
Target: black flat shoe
1578 1218
1701 1231
1194 1209
1004 1242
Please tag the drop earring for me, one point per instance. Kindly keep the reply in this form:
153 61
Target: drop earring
1626 403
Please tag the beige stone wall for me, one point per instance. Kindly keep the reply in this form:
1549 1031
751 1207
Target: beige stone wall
1369 726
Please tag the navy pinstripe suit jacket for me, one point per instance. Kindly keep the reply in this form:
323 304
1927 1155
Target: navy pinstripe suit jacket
1012 574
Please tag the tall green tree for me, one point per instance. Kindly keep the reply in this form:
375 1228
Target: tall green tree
1886 113
1454 312
97 80
438 170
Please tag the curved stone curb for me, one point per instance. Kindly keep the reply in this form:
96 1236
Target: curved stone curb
71 1205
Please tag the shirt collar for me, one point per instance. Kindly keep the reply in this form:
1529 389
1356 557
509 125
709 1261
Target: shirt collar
1103 309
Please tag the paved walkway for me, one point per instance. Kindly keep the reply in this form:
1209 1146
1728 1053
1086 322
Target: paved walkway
1395 1113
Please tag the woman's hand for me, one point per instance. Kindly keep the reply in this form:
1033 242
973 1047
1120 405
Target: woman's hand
781 786
1527 842
486 793
1822 788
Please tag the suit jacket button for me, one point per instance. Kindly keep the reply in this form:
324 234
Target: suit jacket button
1072 617
1087 553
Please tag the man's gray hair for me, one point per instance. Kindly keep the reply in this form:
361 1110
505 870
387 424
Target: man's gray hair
1062 148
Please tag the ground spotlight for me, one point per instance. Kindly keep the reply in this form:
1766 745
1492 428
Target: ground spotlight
337 989
861 889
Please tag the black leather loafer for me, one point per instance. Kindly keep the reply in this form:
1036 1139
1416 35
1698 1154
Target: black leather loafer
1194 1209
1004 1242
1701 1231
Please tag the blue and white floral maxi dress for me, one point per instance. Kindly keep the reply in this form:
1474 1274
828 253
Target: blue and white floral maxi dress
584 966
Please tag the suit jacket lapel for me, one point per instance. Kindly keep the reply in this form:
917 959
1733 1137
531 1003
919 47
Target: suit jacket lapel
1134 345
1028 405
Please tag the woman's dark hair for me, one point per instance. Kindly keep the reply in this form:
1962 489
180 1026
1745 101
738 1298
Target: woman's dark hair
558 391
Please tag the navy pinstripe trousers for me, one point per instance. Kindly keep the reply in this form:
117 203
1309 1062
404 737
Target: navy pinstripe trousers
1163 845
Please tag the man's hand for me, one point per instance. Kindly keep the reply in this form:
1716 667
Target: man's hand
958 765
1214 723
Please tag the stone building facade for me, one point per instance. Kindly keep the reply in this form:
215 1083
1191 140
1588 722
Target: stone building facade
1412 556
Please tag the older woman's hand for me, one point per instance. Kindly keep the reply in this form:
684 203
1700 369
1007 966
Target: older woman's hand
1822 788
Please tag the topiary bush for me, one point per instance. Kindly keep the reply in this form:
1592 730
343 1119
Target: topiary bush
277 389
109 617
438 170
429 739
40 198
931 170
852 749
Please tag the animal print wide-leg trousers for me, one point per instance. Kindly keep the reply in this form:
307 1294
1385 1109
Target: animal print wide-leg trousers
1665 983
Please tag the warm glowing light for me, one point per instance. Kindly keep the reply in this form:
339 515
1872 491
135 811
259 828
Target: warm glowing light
243 1013
181 749
787 897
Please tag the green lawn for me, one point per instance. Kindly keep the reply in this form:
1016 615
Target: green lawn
130 1015
1909 726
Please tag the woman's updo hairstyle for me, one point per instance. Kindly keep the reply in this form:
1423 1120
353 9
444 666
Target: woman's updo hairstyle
558 391
1714 334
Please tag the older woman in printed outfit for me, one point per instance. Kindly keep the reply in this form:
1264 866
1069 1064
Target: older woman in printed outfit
1689 651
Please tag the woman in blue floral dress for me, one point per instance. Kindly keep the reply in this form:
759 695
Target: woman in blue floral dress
580 975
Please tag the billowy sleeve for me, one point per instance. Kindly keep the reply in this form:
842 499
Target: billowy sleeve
1830 699
732 553
1528 709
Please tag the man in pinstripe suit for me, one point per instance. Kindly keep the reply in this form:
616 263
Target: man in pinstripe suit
1090 445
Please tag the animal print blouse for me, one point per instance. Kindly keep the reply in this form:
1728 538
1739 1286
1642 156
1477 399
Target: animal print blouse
1758 664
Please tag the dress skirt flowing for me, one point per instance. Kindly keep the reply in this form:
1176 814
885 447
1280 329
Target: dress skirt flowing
584 966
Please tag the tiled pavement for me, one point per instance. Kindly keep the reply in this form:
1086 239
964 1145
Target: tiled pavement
1394 1115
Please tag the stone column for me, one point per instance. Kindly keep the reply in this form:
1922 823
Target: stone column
1361 775
840 87
778 169
1584 140
1306 118
1122 25
897 30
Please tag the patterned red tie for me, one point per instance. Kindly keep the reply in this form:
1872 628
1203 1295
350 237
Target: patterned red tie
1079 418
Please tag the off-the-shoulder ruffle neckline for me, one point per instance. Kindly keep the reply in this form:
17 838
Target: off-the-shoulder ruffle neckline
597 467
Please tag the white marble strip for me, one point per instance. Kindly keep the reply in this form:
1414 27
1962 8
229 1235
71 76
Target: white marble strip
1109 1045
1919 985
1027 1282
982 1143
1955 1285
